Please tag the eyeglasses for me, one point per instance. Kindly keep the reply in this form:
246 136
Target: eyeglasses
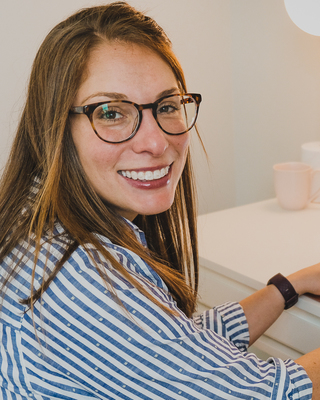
116 121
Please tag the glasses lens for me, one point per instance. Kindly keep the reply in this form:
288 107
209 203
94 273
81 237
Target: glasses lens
115 121
177 114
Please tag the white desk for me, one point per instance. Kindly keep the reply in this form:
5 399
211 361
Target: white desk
242 248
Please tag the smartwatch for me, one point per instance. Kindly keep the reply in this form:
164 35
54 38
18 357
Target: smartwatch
286 289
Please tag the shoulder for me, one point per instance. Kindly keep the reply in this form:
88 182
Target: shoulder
88 259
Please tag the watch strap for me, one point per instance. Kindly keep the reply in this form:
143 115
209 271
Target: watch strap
286 289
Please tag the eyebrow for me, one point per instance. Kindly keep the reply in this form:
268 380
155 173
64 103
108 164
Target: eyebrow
111 95
121 96
168 92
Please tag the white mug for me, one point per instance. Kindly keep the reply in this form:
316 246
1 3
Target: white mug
292 182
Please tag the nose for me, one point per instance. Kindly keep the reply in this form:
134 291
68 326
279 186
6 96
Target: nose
150 137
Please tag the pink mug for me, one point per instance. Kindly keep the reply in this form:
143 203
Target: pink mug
292 182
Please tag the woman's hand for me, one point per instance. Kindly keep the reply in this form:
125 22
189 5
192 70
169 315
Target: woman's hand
306 280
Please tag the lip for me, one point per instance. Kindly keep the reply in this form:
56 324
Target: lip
146 184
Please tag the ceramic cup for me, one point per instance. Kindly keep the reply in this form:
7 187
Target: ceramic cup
292 182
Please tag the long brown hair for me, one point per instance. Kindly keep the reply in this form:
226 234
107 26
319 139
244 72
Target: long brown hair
43 148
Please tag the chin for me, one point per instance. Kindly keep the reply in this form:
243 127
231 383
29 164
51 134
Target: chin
156 210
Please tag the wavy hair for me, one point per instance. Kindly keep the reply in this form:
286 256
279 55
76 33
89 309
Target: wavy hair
43 148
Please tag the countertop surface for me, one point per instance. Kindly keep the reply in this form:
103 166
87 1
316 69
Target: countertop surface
251 243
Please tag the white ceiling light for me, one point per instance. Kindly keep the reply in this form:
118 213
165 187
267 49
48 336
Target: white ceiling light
305 14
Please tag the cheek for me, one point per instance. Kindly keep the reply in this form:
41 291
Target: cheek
97 162
92 151
182 144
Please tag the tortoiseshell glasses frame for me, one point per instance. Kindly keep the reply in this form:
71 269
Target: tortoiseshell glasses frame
117 121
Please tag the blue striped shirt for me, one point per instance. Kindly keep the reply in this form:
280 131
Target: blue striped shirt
81 344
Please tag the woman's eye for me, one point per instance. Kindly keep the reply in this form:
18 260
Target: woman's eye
111 115
167 108
108 114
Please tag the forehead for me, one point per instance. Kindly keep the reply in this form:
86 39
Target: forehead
128 69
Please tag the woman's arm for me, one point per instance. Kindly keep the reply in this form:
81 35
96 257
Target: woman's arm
311 363
265 306
262 309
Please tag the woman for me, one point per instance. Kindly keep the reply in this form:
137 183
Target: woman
98 243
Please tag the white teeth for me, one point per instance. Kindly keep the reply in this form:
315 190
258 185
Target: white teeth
134 175
141 176
146 176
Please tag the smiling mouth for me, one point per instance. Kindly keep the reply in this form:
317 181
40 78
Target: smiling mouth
146 175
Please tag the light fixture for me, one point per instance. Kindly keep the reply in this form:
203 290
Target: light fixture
305 14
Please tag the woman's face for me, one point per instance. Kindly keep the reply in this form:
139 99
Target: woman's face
130 72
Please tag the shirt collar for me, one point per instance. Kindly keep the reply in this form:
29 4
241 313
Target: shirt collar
137 231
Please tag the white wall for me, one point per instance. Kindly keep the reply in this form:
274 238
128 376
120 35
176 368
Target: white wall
258 73
276 89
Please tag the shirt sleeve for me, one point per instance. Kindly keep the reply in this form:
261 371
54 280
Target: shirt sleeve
81 343
227 320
